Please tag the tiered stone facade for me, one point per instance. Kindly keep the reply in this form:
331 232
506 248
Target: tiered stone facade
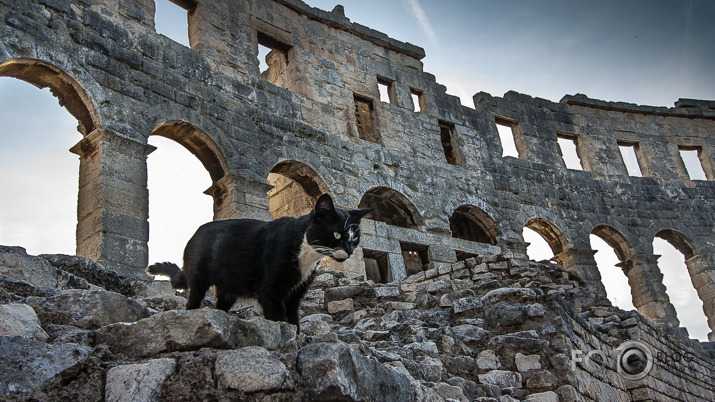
433 168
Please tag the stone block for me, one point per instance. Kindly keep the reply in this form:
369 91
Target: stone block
27 364
542 379
20 320
138 382
498 266
387 291
340 306
488 360
194 329
252 369
527 362
315 324
501 378
467 304
479 268
90 271
87 309
471 334
450 392
509 294
505 314
328 371
548 396
16 263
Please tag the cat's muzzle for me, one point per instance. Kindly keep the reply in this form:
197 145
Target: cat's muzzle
339 255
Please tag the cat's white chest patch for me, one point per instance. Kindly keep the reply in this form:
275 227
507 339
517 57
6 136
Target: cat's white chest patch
308 259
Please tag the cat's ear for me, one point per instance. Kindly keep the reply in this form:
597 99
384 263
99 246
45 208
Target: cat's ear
325 205
357 214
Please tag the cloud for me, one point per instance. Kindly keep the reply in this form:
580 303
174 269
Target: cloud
416 9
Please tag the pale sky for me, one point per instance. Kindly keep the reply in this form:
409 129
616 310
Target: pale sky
648 52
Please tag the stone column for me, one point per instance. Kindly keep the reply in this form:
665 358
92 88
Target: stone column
581 261
239 197
702 272
649 296
398 271
113 201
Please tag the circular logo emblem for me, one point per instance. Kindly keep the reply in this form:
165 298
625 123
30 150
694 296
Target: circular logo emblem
634 360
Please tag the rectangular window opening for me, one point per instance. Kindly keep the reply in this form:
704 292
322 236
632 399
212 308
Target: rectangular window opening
693 163
416 257
386 90
171 19
364 118
569 151
272 59
505 128
630 158
448 137
377 266
418 100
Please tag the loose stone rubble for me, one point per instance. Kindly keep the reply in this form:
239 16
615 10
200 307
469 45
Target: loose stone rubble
483 329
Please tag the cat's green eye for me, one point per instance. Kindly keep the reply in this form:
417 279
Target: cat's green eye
337 235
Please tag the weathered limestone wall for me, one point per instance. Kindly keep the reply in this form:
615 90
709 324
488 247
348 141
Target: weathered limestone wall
124 82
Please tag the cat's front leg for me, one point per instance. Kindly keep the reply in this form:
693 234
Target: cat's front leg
293 310
273 309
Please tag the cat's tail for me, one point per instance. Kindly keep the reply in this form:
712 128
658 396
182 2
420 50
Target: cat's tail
178 280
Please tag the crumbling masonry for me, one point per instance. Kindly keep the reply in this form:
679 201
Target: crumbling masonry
313 122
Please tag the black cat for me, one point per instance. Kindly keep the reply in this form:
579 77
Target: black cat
273 261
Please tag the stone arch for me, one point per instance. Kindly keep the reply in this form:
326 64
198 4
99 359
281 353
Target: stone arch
644 278
698 269
616 240
69 92
304 175
553 236
474 224
296 188
391 207
201 145
198 143
369 182
76 99
679 241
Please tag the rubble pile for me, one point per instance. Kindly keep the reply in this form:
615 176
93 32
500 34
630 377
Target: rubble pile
482 329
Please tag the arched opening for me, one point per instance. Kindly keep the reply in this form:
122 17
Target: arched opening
387 264
69 93
296 188
471 223
545 241
198 143
38 176
611 250
674 249
391 207
177 182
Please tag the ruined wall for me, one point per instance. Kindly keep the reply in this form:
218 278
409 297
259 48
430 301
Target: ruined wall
482 329
431 165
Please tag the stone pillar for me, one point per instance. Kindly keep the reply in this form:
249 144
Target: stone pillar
649 296
239 197
113 201
702 272
581 261
398 271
